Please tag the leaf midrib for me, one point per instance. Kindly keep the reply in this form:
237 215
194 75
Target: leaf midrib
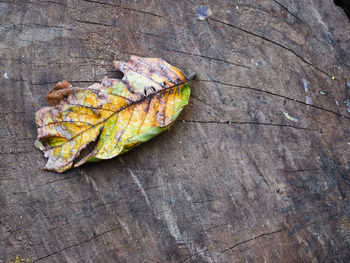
121 109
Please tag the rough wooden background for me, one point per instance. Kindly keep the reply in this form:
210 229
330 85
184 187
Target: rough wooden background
239 181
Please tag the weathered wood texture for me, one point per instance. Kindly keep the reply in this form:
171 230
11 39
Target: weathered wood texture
236 182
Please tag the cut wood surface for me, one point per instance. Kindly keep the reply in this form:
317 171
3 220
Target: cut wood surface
256 169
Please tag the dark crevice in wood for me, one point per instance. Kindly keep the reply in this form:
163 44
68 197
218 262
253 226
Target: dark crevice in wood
289 12
76 245
251 239
299 170
93 23
248 123
47 183
275 94
132 9
203 56
309 29
56 3
273 42
256 166
155 35
192 256
213 227
46 26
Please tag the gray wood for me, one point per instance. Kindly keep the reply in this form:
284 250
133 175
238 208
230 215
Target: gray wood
236 179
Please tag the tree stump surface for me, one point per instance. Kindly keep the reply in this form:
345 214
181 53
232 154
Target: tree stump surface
256 169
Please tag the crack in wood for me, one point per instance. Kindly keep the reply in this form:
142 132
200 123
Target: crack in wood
212 58
248 123
299 170
192 256
251 239
92 23
309 29
274 94
76 245
273 42
217 226
302 21
47 183
256 166
134 10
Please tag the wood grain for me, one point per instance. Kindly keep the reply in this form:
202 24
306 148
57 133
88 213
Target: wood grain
256 169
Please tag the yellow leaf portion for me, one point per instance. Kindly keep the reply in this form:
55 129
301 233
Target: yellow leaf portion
111 117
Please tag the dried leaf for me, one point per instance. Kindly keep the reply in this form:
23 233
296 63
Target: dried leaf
108 119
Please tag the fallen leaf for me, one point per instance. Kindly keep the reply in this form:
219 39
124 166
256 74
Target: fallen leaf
109 118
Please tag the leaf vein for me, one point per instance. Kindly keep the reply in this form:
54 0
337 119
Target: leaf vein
119 110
